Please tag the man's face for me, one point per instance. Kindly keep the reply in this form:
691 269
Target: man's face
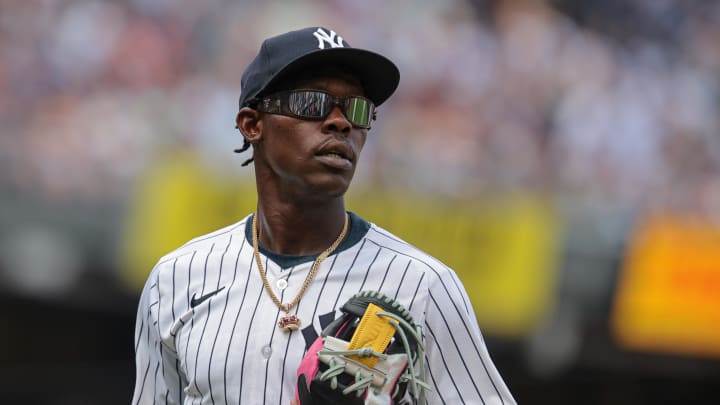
312 160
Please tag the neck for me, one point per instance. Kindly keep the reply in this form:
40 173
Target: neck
300 230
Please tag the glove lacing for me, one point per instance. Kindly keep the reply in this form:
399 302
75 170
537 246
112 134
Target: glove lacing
363 381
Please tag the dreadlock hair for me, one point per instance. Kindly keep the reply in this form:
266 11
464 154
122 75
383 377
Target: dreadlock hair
252 103
245 146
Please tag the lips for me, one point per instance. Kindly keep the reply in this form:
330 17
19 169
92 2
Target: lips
338 155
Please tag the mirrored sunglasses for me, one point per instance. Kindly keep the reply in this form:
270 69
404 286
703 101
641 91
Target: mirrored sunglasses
317 105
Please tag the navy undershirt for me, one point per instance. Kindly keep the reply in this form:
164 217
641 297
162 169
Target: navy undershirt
358 227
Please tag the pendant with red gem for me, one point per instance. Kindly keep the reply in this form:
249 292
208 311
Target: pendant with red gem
289 323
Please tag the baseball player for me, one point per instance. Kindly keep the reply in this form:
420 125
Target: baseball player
229 317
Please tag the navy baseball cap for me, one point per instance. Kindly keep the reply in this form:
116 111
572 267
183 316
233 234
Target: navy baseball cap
292 51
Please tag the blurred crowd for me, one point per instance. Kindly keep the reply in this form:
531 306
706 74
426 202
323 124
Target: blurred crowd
495 96
608 107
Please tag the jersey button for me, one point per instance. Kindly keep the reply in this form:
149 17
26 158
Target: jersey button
282 284
266 351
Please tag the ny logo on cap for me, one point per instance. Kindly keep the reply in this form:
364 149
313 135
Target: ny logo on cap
332 39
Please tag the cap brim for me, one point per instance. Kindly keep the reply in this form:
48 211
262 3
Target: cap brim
379 76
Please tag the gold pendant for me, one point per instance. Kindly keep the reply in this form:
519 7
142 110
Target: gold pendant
289 323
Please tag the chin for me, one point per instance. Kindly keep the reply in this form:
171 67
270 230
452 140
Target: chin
333 188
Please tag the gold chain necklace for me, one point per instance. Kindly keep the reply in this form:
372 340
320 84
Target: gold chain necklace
292 322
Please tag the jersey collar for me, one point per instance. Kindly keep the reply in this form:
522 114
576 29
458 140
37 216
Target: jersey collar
358 228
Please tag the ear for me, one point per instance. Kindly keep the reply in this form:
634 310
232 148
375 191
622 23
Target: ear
249 123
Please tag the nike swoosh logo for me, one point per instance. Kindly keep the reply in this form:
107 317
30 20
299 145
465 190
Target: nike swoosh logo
197 301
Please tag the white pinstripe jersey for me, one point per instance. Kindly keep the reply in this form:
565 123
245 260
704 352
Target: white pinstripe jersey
227 348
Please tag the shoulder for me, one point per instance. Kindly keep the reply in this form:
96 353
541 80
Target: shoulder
204 244
419 259
438 286
186 267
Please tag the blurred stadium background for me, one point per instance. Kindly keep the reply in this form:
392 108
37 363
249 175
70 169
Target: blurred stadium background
563 156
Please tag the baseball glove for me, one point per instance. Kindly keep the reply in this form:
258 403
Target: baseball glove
371 355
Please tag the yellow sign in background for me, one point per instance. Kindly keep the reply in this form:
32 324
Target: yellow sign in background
668 297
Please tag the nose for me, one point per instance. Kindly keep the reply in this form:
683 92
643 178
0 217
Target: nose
336 122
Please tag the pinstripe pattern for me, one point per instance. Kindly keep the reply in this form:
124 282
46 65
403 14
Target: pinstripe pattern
228 349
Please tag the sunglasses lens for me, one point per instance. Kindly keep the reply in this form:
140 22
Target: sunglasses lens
312 104
309 104
359 111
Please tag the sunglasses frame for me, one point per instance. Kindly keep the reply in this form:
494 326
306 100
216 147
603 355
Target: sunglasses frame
279 103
